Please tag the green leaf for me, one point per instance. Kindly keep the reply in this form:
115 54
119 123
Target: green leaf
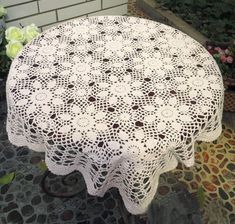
2 53
42 165
201 196
7 179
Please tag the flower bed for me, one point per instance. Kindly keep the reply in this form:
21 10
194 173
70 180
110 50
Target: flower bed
225 58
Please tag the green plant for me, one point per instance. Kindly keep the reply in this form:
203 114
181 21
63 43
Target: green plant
42 166
7 178
5 62
225 58
214 18
201 196
12 41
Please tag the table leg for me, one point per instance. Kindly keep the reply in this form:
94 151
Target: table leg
69 185
75 182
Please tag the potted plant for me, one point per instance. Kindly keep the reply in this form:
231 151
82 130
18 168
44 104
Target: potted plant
225 57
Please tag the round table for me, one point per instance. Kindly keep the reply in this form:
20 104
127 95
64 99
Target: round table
120 99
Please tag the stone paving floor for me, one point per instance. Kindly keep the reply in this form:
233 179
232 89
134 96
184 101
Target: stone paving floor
214 170
24 201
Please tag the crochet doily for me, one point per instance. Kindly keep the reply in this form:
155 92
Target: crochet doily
121 99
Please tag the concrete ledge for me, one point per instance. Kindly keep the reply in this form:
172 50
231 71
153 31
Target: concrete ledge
155 11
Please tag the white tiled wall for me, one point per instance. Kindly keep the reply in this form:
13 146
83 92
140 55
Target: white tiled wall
78 10
46 13
111 3
45 5
39 19
13 2
119 10
19 11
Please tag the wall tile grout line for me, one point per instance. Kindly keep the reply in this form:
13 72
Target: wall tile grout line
38 6
67 6
56 13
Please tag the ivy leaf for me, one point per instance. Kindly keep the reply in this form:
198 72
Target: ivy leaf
7 179
201 196
42 165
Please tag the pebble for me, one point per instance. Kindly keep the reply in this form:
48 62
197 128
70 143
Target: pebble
67 215
27 210
36 200
15 217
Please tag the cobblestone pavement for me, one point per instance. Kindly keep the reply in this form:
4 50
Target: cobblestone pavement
214 171
215 166
24 201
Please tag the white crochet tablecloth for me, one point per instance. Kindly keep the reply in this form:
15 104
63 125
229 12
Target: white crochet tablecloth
121 99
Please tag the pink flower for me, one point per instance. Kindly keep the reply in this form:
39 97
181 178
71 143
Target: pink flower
227 51
218 49
223 58
229 59
209 47
222 52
